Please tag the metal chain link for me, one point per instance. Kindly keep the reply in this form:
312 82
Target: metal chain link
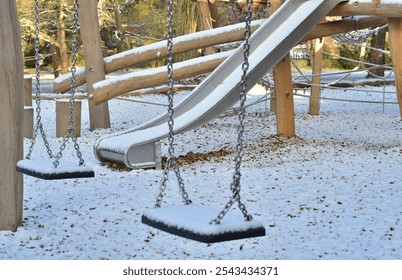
171 160
235 185
38 123
70 130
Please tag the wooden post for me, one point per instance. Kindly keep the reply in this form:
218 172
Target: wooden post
371 8
395 37
316 80
27 91
282 101
285 117
28 121
11 108
63 118
89 26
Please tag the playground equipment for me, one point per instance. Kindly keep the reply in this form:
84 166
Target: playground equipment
139 147
54 167
102 91
184 221
185 43
196 222
114 87
11 108
11 187
158 50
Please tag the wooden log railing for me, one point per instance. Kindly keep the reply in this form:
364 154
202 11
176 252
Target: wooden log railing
194 41
122 84
158 50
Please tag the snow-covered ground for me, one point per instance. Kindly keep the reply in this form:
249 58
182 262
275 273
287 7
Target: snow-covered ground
333 192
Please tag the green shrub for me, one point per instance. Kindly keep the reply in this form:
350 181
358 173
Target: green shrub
348 51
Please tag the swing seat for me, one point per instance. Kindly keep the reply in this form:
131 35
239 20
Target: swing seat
44 169
193 222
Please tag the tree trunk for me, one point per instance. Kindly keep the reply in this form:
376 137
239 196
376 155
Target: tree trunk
377 57
117 17
186 15
213 6
62 39
55 57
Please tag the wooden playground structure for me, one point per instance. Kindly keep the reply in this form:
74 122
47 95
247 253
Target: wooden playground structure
99 91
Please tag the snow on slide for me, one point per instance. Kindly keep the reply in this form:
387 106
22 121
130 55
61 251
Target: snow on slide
139 147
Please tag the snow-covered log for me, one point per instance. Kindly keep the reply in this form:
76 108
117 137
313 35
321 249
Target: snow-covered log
201 40
158 50
342 26
122 84
387 8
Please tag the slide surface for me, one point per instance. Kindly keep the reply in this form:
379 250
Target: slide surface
139 147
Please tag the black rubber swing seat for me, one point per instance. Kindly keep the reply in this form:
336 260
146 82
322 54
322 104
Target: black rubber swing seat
193 222
44 169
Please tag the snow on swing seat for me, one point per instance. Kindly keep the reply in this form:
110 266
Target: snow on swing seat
193 222
44 169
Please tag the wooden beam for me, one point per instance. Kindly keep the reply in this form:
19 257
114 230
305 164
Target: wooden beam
109 89
89 26
351 8
375 8
395 36
316 80
343 26
11 114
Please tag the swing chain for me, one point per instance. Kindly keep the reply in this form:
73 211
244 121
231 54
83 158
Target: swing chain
70 130
38 125
171 162
235 185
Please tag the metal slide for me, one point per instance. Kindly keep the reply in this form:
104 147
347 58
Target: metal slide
140 147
